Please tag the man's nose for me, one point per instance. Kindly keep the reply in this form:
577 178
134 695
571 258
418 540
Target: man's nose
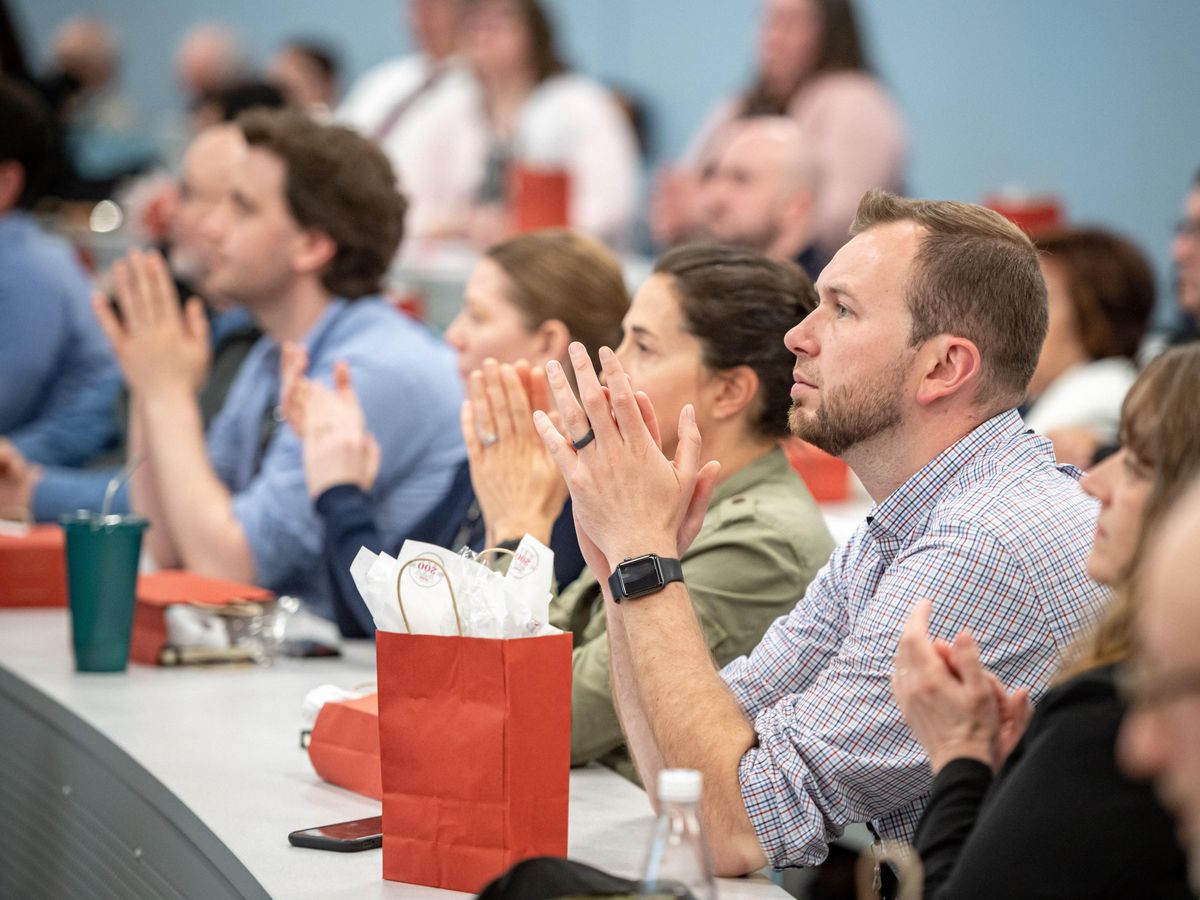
801 338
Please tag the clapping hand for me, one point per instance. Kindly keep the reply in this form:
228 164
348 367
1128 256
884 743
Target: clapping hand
158 345
338 448
629 499
517 484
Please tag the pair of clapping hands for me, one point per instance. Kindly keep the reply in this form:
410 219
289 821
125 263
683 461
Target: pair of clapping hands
516 482
604 446
954 706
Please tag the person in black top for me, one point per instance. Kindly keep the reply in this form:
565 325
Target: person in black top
1058 819
527 299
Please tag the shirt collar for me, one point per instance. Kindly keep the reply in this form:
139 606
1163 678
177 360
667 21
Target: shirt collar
905 511
765 466
320 330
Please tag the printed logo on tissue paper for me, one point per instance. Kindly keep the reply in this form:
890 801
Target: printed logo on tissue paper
425 572
524 562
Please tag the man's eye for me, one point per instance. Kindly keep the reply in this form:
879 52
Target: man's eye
842 311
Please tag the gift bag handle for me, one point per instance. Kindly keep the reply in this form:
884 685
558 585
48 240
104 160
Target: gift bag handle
449 586
453 599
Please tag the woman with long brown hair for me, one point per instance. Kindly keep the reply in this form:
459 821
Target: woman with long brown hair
1057 819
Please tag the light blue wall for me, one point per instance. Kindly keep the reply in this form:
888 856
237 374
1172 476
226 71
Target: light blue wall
1094 100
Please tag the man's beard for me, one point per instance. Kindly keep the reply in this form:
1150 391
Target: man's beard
851 414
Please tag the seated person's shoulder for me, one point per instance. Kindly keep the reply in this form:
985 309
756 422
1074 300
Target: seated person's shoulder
374 329
1016 501
35 257
776 506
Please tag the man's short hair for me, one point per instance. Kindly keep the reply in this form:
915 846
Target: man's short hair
341 184
26 137
975 275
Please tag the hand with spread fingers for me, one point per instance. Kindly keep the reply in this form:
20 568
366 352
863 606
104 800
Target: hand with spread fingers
955 707
338 449
158 345
629 499
519 488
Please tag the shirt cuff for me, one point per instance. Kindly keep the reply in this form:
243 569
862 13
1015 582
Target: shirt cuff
61 491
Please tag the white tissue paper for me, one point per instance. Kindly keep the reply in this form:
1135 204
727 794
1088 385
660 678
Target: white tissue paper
326 693
490 604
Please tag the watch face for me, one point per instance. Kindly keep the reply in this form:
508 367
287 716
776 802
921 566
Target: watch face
638 576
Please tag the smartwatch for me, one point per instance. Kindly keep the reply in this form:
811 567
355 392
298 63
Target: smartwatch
642 575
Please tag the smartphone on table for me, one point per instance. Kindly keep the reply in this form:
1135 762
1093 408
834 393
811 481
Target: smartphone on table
343 837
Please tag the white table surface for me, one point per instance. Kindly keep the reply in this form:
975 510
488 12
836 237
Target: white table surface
225 741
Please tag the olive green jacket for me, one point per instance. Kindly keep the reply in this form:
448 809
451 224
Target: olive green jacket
762 541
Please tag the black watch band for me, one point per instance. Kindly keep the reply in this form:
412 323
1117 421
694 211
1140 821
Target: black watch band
642 575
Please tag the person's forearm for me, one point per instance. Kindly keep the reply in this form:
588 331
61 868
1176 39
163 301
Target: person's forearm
196 505
639 737
695 720
143 493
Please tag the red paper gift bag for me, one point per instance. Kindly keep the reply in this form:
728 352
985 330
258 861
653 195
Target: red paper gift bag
475 742
344 745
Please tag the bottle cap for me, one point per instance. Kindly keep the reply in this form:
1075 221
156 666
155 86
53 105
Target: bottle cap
679 785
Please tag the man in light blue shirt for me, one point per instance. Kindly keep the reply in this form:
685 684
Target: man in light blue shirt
58 380
304 238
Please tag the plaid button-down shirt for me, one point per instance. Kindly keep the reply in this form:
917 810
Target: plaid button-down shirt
996 534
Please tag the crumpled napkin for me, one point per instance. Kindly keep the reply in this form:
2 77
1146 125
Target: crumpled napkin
490 604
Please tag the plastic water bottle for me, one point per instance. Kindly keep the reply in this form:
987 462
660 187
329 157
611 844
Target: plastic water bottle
678 862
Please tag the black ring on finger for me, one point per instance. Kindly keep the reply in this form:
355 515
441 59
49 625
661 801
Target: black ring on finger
584 441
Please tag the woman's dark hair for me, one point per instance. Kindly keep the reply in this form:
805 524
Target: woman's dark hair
546 59
739 305
1110 284
841 51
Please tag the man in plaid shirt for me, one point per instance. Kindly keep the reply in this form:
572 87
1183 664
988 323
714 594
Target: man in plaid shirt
929 326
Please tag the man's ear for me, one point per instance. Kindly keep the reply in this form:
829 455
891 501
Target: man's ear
12 184
736 390
799 207
950 365
315 252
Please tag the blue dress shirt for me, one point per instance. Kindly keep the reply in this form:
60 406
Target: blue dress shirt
58 378
410 391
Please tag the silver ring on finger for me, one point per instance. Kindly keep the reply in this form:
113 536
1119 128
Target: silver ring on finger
487 440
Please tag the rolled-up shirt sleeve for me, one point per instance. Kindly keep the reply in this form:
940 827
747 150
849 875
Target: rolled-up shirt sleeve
277 517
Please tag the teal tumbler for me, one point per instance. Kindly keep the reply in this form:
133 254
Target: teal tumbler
102 570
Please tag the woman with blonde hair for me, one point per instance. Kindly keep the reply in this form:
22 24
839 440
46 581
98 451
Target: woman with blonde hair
1042 811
